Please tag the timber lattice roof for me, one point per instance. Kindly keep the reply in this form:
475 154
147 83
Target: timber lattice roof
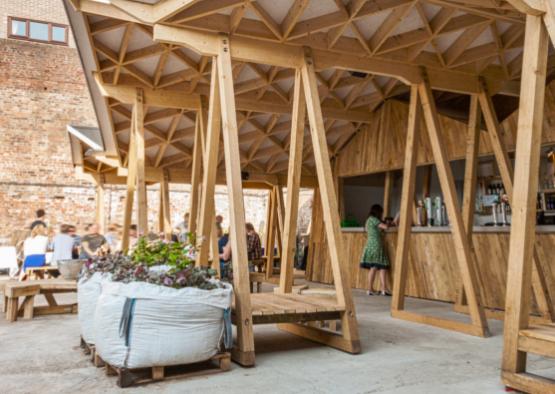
453 39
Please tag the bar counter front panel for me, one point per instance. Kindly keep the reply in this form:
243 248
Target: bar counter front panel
433 271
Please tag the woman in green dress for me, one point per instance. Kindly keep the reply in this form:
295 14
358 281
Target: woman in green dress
374 256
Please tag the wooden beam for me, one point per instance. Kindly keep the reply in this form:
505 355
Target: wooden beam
280 207
288 55
329 202
152 98
523 228
207 205
293 185
387 187
152 13
139 131
166 207
495 134
531 7
470 176
407 202
471 166
271 235
196 174
244 352
462 248
130 192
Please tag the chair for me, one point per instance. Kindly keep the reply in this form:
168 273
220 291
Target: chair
34 260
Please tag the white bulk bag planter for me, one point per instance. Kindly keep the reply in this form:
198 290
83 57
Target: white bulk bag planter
143 325
88 292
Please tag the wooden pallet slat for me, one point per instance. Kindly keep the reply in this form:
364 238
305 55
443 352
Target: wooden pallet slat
132 377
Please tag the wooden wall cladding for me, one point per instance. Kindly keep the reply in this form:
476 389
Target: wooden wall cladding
380 145
433 272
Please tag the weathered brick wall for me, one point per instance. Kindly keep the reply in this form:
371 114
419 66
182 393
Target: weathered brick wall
42 89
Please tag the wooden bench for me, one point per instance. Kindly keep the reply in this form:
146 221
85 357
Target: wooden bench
46 287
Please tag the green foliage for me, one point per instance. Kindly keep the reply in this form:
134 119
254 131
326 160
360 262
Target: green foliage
173 254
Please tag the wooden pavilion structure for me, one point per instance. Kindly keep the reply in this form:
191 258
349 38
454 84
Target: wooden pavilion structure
166 76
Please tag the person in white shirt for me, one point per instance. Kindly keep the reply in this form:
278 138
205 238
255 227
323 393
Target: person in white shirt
63 245
37 243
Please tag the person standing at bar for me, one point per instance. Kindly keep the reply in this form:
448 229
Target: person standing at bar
374 257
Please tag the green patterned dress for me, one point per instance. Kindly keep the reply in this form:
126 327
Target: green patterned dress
374 254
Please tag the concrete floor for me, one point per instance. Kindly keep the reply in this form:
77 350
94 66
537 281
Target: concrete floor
43 356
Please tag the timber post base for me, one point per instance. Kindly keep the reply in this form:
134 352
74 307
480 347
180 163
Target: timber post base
527 382
244 359
447 324
323 336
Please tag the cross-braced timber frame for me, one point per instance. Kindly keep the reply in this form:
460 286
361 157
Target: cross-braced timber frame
157 63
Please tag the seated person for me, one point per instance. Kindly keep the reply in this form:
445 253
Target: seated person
92 243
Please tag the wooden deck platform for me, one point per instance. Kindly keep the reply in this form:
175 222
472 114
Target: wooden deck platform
293 308
538 339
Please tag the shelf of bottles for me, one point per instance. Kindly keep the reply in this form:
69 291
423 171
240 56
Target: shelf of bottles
546 201
492 201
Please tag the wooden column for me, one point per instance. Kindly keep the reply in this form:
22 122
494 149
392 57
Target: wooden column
388 185
160 209
471 166
280 210
210 167
215 255
271 236
196 174
462 248
244 352
130 192
495 132
139 131
523 229
293 186
407 202
329 203
166 208
470 176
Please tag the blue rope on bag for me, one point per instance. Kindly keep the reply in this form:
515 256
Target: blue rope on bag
228 331
126 319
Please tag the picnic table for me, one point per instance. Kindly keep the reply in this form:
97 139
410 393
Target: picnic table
44 272
13 290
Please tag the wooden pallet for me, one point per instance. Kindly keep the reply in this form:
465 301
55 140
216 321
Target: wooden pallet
132 377
90 350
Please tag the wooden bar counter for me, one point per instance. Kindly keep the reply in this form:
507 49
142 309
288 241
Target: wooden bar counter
433 272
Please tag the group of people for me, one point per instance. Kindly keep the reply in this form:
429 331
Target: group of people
66 244
254 248
44 245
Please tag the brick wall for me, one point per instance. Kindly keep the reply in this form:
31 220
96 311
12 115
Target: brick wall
42 89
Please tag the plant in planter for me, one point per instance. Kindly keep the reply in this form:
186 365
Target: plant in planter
176 310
